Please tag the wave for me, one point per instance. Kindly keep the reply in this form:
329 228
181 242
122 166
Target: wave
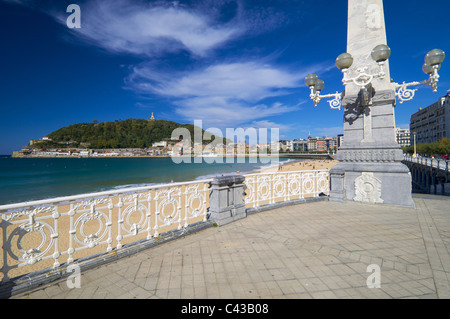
121 187
256 169
95 176
222 173
212 175
276 164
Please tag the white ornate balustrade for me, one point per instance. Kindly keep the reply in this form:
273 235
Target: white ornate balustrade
269 188
430 175
438 163
47 233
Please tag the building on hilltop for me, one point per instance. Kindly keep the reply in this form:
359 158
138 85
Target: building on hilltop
432 123
152 118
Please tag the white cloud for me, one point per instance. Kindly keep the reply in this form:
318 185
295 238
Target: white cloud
22 2
222 113
145 29
271 125
223 95
249 81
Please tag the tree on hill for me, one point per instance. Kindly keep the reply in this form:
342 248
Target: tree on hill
130 133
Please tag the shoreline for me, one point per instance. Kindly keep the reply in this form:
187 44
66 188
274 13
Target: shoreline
306 165
280 155
284 165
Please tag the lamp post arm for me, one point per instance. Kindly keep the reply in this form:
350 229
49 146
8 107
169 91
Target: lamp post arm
363 78
335 103
406 94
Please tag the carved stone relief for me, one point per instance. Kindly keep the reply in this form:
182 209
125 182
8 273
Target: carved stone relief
379 156
368 189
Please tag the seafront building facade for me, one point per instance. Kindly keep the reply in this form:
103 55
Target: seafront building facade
175 147
300 145
172 147
432 123
322 144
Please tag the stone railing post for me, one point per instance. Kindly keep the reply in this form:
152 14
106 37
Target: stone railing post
226 199
337 189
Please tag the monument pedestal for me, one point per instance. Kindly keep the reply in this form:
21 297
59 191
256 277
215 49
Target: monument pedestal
370 168
372 182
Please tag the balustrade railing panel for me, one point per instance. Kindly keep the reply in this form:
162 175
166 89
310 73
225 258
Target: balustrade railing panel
439 163
49 233
43 234
269 188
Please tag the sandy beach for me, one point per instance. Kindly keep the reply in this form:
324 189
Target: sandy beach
302 166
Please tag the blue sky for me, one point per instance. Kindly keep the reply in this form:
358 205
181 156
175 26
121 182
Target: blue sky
230 63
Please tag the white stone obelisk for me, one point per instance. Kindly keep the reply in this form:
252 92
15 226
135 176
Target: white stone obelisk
365 30
370 168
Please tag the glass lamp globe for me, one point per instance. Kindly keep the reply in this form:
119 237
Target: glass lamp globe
344 61
381 53
311 80
319 85
428 69
435 57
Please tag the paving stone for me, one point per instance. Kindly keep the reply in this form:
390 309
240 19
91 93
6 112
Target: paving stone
315 250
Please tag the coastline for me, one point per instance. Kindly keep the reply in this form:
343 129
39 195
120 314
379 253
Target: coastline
291 165
118 193
104 174
140 156
306 165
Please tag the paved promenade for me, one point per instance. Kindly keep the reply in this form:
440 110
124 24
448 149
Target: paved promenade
314 250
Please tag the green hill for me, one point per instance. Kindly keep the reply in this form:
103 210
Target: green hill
131 133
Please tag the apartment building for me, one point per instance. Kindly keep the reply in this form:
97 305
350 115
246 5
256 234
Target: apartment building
432 123
403 137
300 145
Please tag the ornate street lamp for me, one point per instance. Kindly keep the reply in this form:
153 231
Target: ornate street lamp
380 54
316 85
432 65
370 168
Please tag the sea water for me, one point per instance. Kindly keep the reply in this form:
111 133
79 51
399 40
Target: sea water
27 179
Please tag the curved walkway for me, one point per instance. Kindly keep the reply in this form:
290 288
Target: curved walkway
314 250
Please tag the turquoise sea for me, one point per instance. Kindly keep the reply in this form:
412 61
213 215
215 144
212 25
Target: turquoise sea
26 179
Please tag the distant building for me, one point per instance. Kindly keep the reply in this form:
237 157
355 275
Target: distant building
160 144
331 143
322 144
286 146
312 144
44 139
263 148
340 140
403 137
274 147
300 145
432 123
152 118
